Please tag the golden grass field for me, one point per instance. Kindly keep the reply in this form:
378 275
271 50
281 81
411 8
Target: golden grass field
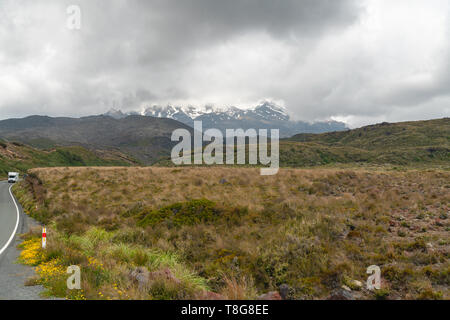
239 234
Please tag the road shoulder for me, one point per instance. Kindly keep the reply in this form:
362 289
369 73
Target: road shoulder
14 275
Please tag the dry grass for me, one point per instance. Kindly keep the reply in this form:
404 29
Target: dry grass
314 230
116 188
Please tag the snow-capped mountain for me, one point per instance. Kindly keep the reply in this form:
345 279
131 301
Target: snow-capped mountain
266 115
184 115
270 111
265 110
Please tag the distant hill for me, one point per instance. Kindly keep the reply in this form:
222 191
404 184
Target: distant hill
19 157
267 115
393 143
404 143
144 138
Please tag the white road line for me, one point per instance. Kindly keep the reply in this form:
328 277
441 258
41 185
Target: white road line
17 223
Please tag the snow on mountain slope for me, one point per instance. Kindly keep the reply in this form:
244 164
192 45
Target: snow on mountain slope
266 115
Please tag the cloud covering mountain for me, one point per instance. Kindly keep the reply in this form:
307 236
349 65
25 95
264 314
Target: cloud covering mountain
266 115
357 61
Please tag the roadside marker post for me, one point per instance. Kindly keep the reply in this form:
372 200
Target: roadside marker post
44 238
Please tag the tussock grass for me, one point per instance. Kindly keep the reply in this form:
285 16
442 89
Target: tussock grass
240 234
105 266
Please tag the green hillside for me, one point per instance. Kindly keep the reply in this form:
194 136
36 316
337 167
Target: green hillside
386 135
19 157
405 143
146 139
401 143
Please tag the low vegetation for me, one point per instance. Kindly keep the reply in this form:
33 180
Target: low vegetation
234 233
403 143
16 156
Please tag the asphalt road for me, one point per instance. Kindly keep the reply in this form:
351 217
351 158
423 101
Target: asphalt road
9 216
12 274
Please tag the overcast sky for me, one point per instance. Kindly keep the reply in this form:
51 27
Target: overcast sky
362 61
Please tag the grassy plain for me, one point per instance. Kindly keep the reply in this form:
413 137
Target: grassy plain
239 234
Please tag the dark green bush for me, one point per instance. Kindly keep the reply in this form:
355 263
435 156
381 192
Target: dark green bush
190 213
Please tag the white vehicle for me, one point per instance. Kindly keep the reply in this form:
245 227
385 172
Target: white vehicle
13 177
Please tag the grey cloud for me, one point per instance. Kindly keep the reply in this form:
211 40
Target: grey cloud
125 47
158 32
422 90
312 54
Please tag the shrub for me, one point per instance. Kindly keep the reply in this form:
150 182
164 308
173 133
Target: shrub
190 213
381 294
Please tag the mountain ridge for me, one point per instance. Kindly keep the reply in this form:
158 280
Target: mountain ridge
266 115
144 138
148 140
401 143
